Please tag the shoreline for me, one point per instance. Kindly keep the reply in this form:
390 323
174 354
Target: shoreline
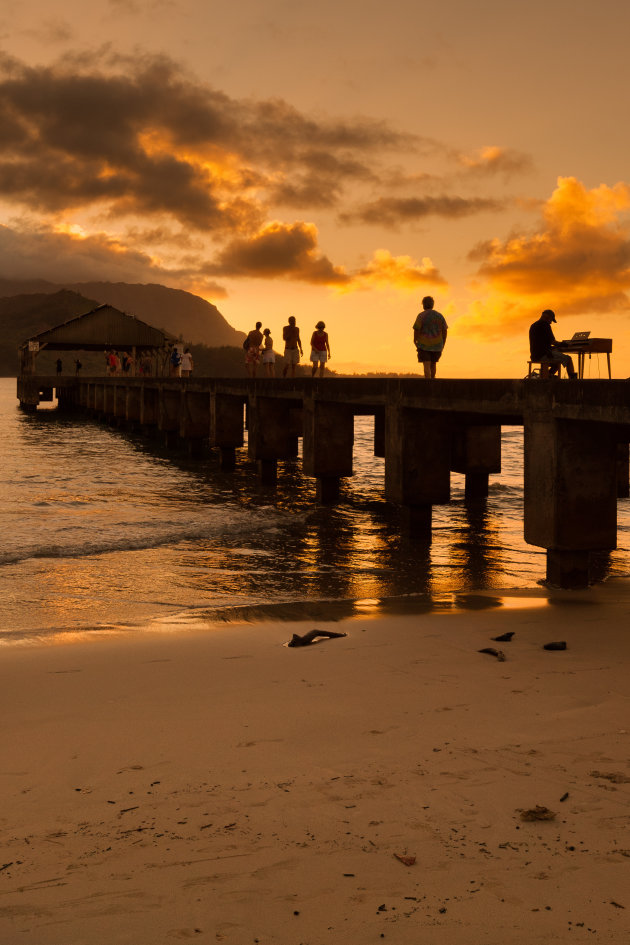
203 619
219 786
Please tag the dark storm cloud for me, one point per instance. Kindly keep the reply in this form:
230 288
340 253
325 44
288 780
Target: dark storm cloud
288 250
142 137
391 211
73 139
104 137
304 187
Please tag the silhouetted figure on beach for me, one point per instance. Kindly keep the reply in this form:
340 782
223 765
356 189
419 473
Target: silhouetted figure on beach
429 336
77 367
320 349
59 365
542 346
292 347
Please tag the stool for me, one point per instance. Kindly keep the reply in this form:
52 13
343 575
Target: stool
544 368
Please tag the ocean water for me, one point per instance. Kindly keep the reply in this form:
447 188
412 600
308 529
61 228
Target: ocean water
103 531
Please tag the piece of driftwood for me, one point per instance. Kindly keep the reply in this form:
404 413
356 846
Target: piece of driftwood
311 637
490 650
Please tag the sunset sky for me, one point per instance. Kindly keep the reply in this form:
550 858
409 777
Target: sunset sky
336 160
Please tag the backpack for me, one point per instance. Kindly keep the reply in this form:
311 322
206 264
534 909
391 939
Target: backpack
246 344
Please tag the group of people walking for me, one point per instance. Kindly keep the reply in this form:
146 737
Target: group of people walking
259 349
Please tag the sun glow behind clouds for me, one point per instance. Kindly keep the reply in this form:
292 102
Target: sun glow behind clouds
70 229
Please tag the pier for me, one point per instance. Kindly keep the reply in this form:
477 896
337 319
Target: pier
576 437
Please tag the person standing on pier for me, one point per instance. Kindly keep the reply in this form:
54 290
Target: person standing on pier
269 355
292 347
59 365
542 346
429 336
252 349
175 362
320 349
187 363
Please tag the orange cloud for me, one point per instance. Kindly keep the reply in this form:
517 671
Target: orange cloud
578 261
496 160
395 272
288 250
291 251
138 142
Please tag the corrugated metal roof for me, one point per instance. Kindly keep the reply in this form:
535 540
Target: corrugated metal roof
103 327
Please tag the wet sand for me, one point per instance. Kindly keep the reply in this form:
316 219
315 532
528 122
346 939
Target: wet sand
219 786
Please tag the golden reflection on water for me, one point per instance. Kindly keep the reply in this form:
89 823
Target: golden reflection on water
524 603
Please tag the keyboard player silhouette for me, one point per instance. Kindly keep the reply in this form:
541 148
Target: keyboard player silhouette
544 348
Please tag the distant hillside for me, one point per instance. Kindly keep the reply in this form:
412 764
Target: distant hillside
178 312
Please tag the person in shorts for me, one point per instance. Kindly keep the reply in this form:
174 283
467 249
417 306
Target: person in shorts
268 354
429 336
292 347
252 352
320 349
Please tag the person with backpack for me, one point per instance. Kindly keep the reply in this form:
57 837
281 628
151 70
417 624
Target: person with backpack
175 362
252 349
429 336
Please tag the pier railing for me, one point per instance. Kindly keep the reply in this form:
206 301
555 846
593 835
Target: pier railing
576 437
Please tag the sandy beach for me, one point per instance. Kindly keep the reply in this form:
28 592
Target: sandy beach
218 786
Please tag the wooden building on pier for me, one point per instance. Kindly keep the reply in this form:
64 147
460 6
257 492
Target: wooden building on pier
103 328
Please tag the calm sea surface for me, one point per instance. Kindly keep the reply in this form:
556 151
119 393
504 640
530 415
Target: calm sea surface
102 531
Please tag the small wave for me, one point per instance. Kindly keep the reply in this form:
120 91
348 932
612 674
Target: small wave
230 525
504 488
